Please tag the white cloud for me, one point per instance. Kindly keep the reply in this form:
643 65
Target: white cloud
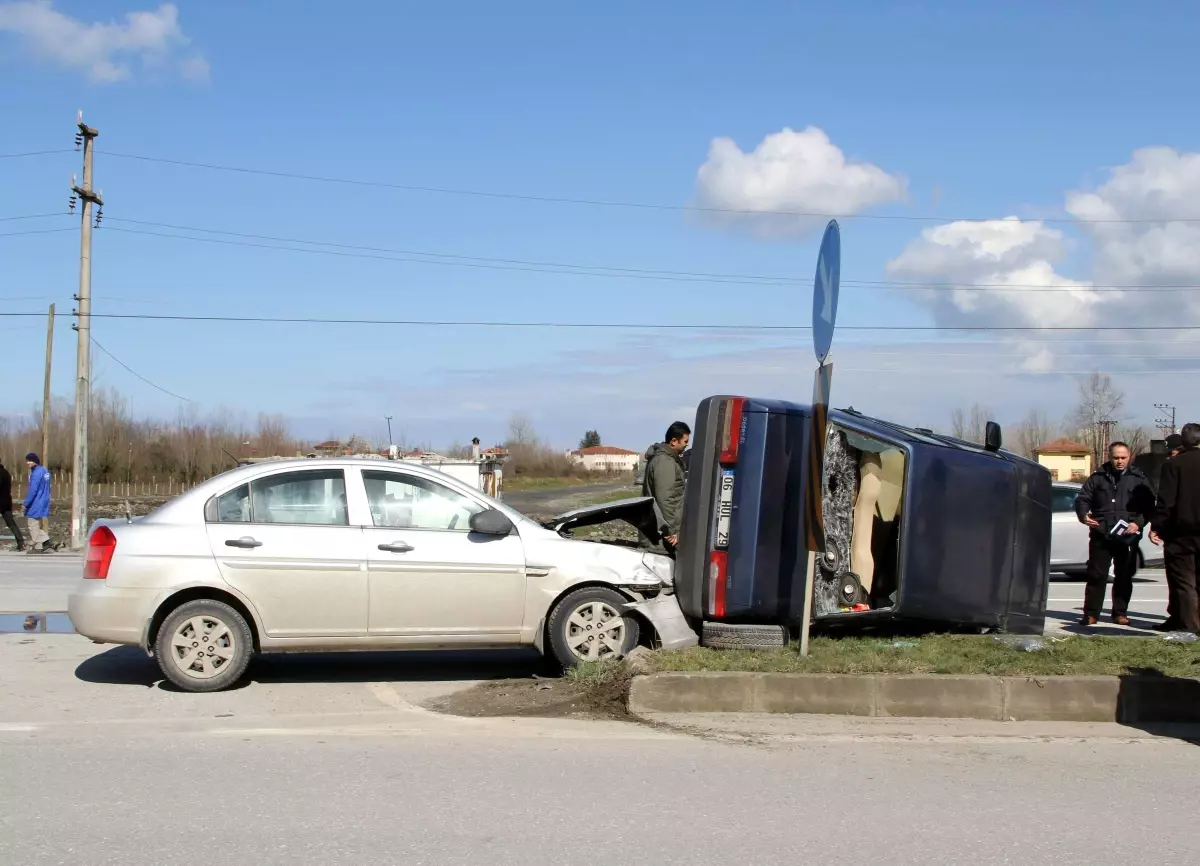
792 172
104 50
994 273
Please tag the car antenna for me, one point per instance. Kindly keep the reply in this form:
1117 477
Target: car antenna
236 462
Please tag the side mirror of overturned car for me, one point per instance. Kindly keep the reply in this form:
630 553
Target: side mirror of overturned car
491 522
993 437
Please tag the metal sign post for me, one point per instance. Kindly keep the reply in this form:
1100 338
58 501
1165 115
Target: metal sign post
824 314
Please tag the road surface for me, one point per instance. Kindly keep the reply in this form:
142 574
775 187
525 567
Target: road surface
339 764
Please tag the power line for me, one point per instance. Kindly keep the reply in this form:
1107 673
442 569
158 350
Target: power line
136 373
38 232
570 269
465 323
33 216
34 153
599 202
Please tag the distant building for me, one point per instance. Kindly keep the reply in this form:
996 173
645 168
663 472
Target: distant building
605 458
332 448
1067 460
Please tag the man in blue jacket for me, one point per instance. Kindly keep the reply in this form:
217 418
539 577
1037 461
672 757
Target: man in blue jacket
37 503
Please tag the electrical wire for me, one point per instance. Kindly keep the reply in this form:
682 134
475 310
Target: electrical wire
39 232
286 175
34 153
137 374
466 323
569 269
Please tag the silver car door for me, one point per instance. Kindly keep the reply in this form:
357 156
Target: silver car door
284 541
429 574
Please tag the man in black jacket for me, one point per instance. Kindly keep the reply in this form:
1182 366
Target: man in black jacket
1116 502
1177 524
6 506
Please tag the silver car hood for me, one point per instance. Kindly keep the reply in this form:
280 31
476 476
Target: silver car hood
640 511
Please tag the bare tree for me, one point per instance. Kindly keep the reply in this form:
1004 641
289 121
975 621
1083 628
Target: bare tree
1097 413
1136 437
520 431
970 425
1035 431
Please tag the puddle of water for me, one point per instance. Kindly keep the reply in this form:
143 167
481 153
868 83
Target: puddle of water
35 623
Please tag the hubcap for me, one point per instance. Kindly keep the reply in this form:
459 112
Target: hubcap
202 647
595 631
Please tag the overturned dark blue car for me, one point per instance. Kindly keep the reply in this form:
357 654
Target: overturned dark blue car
919 528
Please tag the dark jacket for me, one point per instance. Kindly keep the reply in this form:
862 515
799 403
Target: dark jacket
664 480
1110 498
1177 512
5 490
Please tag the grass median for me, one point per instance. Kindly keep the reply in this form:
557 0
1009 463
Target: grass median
935 654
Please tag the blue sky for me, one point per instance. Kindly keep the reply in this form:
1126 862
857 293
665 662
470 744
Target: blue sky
960 110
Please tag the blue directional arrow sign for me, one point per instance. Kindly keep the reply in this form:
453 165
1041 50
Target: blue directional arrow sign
825 290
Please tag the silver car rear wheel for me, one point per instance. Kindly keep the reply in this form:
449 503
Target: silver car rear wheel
204 646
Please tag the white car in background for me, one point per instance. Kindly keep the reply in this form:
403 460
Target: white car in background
353 554
1069 537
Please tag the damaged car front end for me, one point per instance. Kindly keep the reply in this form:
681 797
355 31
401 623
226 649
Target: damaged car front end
605 548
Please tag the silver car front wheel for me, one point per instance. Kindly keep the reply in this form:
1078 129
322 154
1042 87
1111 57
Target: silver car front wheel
204 646
588 626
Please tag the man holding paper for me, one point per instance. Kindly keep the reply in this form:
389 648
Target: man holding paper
1116 502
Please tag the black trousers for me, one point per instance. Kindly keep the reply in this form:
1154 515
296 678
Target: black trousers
1181 556
13 528
1102 553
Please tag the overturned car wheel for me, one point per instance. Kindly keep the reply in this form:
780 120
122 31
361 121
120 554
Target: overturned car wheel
724 635
588 626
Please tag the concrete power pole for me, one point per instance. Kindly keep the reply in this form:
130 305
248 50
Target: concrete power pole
46 391
83 375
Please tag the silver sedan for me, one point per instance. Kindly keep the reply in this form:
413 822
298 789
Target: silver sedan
354 554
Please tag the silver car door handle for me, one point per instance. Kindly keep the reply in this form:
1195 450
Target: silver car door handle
396 547
245 541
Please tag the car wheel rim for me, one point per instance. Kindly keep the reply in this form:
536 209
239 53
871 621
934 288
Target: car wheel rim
595 631
202 647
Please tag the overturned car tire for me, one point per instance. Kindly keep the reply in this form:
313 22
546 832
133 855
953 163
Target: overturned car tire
724 635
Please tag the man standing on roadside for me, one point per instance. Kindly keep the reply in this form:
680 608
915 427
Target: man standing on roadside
6 506
1174 444
664 480
1116 503
37 503
1177 526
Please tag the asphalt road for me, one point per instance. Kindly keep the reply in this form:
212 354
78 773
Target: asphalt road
339 764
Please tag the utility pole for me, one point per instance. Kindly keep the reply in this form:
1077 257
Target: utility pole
46 391
85 138
389 420
1166 421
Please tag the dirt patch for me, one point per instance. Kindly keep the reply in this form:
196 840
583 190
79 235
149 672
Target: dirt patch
593 698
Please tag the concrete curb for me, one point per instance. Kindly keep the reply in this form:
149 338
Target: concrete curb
1129 699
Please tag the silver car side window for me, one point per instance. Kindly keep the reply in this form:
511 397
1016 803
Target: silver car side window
400 501
231 507
315 497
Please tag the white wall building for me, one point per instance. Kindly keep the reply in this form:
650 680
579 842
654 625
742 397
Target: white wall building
606 458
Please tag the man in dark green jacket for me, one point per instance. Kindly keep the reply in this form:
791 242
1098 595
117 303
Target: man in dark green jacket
663 480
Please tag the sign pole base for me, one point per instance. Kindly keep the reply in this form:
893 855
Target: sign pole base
810 586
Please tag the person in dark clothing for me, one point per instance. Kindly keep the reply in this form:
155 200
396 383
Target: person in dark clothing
1116 503
664 480
1174 444
1176 523
6 506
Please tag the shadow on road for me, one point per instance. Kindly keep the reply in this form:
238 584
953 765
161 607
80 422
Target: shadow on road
129 666
1148 697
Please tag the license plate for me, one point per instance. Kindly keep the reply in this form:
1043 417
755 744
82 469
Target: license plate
724 509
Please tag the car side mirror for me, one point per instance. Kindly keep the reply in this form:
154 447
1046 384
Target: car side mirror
993 437
491 522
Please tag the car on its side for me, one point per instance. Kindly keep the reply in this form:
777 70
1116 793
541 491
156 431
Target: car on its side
1069 537
353 554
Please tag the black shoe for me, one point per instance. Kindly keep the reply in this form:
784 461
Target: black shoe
1169 625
